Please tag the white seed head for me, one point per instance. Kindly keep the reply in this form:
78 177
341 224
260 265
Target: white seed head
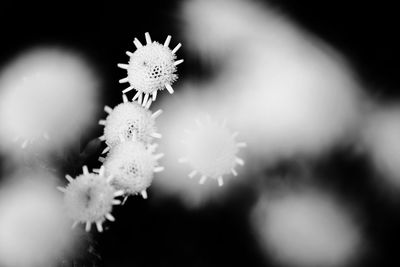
130 121
152 67
89 198
132 165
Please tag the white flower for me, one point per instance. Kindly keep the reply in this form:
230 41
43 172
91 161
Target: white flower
211 150
133 166
47 96
126 121
34 230
89 198
151 68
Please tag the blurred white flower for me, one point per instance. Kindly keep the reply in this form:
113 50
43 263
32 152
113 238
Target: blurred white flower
47 96
284 91
34 230
218 28
380 138
211 150
183 109
306 229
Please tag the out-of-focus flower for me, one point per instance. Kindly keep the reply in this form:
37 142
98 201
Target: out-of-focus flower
183 108
287 93
306 229
217 29
34 230
380 139
47 96
211 150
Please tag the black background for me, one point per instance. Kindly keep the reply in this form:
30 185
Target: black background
150 233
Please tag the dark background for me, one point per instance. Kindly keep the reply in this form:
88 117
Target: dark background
151 233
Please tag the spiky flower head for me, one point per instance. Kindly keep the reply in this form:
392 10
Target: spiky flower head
133 166
89 198
211 150
129 121
151 68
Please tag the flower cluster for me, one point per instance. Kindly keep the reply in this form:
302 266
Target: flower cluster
129 134
129 159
